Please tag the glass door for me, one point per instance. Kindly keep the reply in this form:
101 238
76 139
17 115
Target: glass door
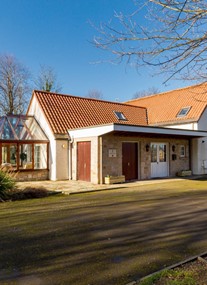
159 161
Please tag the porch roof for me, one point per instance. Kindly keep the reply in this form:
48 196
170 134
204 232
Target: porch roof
134 130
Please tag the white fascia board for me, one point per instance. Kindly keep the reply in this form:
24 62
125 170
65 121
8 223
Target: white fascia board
156 130
91 131
95 131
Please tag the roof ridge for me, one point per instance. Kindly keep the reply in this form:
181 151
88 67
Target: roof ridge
164 92
90 99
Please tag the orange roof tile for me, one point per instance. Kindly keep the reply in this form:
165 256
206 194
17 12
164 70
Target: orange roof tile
65 112
163 108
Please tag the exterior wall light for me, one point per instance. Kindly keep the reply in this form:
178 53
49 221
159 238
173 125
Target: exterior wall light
147 147
173 148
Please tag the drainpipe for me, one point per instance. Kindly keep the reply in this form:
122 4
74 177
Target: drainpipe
70 143
100 162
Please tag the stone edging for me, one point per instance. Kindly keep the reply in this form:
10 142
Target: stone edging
191 259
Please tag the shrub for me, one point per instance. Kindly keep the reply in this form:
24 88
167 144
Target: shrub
7 181
28 193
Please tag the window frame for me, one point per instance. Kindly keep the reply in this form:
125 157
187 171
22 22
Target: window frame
120 116
182 151
183 112
19 145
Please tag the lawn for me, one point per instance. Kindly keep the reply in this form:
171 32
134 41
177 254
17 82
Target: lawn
108 237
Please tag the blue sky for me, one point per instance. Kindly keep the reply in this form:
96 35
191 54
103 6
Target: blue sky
57 33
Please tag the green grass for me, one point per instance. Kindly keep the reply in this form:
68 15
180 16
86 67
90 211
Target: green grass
172 277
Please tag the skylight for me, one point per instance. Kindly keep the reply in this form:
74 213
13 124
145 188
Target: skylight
183 112
120 116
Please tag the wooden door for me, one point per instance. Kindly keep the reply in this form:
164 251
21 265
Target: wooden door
130 161
84 161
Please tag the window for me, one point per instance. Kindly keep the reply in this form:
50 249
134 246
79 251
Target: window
183 112
153 153
40 156
162 153
120 116
9 154
25 156
182 151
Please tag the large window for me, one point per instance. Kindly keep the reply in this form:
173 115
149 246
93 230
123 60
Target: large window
24 156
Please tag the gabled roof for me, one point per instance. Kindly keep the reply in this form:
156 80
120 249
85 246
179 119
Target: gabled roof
64 112
164 108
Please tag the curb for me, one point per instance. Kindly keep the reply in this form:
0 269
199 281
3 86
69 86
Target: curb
191 259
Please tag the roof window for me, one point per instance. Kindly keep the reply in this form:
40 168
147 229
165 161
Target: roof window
183 112
120 116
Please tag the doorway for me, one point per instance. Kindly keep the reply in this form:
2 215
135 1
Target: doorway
130 160
159 160
84 161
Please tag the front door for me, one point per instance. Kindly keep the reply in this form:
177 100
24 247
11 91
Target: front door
84 161
129 160
159 161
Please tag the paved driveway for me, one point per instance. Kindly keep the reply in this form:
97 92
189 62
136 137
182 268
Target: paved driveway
112 237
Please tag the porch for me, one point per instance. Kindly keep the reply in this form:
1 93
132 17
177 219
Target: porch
24 148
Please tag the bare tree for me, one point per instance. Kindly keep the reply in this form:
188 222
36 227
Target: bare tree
95 94
171 36
14 85
148 92
47 80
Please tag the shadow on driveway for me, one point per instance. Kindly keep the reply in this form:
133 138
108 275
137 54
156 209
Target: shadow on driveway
102 238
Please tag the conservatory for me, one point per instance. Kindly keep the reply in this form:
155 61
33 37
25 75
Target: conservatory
23 147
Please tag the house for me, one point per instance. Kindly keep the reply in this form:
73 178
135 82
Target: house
185 109
90 139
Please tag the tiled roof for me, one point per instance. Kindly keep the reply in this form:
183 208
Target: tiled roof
163 108
65 112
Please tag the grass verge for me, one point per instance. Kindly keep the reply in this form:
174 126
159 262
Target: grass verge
193 273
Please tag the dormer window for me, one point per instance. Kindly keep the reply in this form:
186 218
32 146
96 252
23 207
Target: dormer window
183 112
120 116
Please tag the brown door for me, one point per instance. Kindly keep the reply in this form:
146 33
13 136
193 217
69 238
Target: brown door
84 161
129 161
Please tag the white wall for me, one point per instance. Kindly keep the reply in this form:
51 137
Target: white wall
190 126
202 123
36 111
198 146
62 153
199 155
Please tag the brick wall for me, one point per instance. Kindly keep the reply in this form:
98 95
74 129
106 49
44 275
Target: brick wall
113 165
35 175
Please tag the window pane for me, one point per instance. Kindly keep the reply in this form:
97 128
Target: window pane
40 156
153 153
162 153
182 151
25 156
9 155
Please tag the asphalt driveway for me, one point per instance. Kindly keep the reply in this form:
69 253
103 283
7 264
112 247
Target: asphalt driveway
108 237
